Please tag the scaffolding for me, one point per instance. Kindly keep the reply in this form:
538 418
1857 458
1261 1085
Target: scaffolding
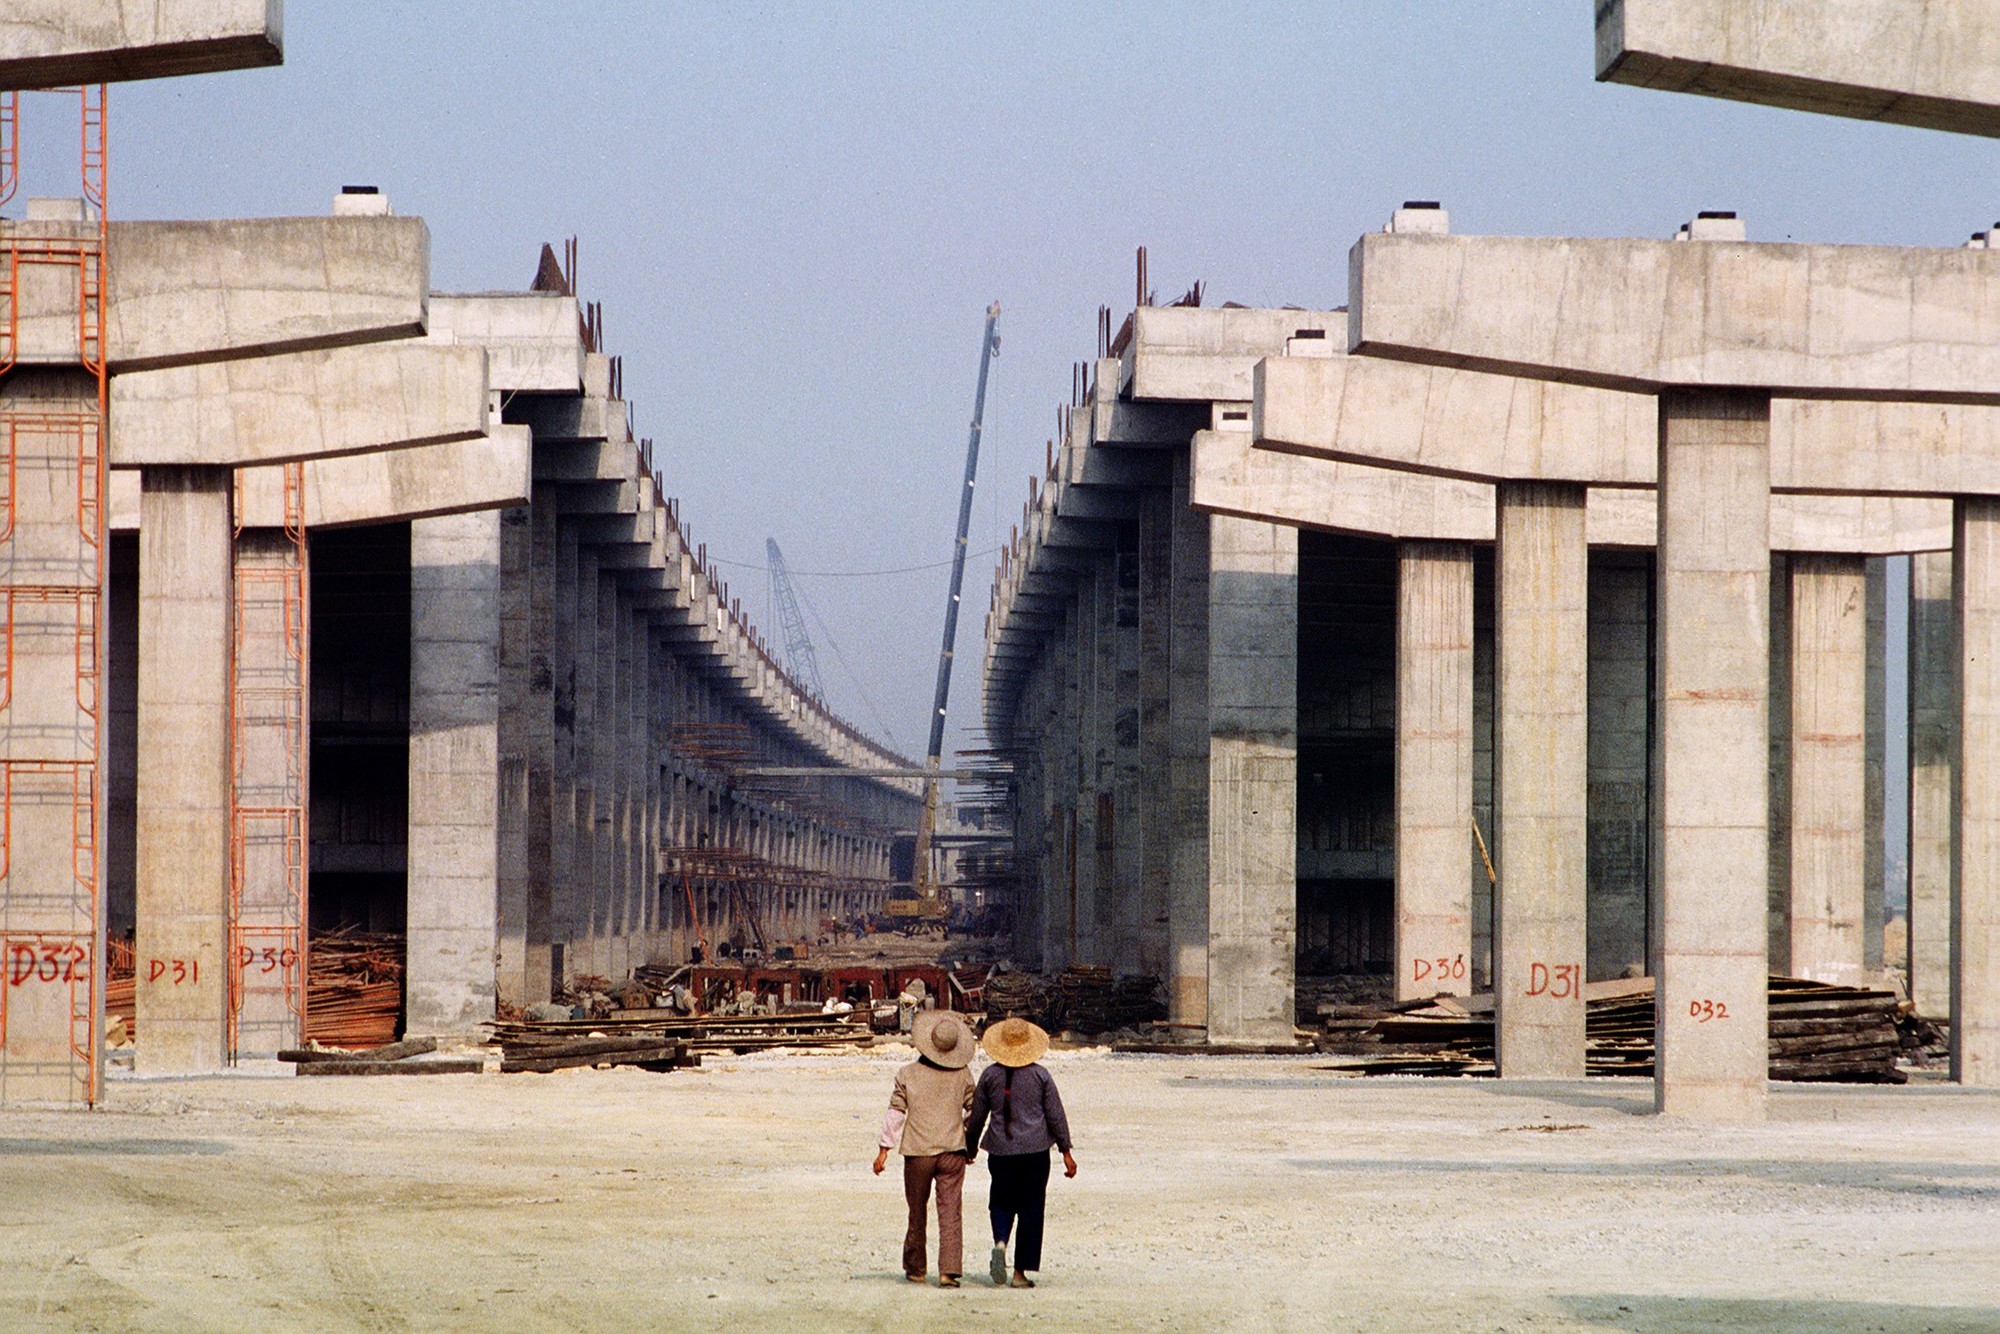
267 780
52 580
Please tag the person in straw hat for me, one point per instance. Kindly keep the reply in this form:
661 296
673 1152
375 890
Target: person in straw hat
1026 1118
926 1122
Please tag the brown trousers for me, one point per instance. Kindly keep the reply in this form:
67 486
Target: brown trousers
948 1170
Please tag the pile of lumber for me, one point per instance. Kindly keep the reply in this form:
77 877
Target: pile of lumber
1088 999
1014 996
1816 1032
396 1058
354 988
662 1040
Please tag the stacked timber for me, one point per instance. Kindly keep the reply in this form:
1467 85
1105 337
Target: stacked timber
1088 999
396 1058
354 988
1818 1032
662 1040
1015 996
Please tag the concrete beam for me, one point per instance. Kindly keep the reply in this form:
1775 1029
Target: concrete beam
54 43
1315 490
1934 64
1205 355
298 405
532 339
1809 321
429 481
187 292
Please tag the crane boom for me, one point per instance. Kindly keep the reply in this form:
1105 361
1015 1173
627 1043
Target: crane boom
925 892
799 653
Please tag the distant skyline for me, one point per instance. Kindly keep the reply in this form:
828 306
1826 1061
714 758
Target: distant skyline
795 216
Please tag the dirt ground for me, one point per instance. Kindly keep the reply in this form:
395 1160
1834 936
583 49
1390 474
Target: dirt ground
1253 1193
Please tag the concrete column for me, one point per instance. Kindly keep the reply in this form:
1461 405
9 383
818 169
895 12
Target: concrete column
1933 759
1187 761
1541 790
1433 769
1253 615
538 740
183 837
1975 909
1828 770
588 938
1875 835
517 706
567 917
1120 933
454 773
1621 737
1713 647
268 776
1155 772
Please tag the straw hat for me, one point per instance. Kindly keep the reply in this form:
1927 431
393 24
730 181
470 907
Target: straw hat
943 1037
1015 1042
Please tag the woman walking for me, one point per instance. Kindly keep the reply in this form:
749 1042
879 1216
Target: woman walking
1026 1119
926 1122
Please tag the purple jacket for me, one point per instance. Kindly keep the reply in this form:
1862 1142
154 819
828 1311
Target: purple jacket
1026 1111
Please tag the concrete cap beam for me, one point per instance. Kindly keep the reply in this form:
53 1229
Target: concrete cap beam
298 405
185 292
54 43
532 339
425 482
1809 321
1929 63
1204 354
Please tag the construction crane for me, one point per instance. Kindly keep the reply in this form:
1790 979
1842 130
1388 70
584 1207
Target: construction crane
798 644
925 909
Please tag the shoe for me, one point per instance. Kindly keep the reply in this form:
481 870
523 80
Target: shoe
947 1280
1020 1280
914 1278
999 1268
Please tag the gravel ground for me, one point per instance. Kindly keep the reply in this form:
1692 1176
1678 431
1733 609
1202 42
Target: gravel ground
1253 1193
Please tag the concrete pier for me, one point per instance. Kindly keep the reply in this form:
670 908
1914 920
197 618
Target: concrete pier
1433 769
1933 763
183 776
1540 792
1187 870
1828 721
454 869
1714 637
1252 766
1975 936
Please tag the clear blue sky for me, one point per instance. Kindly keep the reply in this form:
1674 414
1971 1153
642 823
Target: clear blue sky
795 216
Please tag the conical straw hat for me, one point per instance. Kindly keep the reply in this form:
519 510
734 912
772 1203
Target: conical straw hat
1015 1042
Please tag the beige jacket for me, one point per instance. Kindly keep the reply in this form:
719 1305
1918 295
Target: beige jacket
927 1111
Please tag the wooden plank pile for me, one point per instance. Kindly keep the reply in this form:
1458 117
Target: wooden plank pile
1088 999
1818 1032
660 1040
396 1058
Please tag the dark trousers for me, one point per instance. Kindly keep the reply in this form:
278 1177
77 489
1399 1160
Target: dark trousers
948 1170
1020 1189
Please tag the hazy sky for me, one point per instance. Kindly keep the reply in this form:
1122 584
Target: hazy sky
795 216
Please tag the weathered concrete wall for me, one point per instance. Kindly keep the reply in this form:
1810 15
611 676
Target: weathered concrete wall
1828 769
1433 769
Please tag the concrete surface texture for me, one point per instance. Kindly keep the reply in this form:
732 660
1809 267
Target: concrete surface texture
1829 652
1975 918
1929 63
52 43
1212 1193
1541 788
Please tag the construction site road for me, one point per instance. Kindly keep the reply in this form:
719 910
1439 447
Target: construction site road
1214 1194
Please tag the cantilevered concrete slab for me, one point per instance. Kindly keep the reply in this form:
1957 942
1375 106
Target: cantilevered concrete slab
186 292
52 43
530 338
1929 63
1801 321
298 405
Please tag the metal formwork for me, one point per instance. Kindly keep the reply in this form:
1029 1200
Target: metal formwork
267 790
52 580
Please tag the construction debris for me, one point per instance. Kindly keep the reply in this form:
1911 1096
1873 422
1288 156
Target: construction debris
661 1040
354 988
1818 1032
